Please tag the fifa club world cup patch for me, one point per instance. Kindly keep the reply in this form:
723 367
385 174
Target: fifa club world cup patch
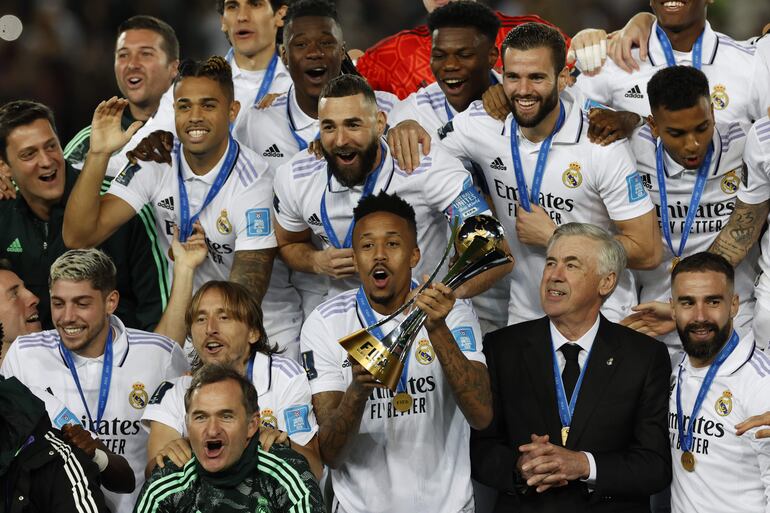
465 338
296 419
636 190
258 222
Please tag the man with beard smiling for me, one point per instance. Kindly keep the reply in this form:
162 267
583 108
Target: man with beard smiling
229 472
723 379
315 196
408 451
542 171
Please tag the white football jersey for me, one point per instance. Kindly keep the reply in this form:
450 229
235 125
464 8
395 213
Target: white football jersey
755 189
732 473
282 388
141 361
726 63
716 205
419 459
760 90
431 188
248 83
583 182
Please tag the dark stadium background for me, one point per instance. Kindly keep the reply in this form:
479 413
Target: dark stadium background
64 55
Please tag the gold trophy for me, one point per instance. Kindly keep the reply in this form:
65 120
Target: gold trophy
479 241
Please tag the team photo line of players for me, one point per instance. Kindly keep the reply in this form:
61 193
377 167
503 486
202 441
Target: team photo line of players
250 211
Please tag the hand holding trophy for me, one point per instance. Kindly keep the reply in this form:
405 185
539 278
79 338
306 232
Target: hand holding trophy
479 240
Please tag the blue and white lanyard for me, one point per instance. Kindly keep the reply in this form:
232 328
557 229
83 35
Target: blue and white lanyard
104 385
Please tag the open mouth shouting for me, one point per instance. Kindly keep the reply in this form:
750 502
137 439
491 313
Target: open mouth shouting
134 82
213 448
49 176
212 347
381 277
346 156
316 75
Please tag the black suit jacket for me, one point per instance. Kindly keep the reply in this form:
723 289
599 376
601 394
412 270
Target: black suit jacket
620 418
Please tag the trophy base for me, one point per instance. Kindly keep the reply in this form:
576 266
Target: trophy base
373 356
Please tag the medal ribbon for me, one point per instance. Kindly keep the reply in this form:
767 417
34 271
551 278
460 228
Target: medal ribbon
303 144
685 440
542 157
668 51
267 80
369 318
371 181
187 222
700 184
566 410
104 387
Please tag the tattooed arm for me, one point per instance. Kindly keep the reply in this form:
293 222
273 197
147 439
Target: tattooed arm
468 380
252 269
741 231
339 415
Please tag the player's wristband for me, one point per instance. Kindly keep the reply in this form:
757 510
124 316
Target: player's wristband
101 460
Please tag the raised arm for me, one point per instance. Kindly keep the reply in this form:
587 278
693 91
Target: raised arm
252 268
90 218
187 257
741 231
468 380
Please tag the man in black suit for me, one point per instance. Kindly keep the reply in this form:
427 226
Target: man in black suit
606 449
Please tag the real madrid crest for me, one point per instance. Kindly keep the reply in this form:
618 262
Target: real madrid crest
572 177
730 183
223 223
268 419
138 397
719 98
724 404
424 352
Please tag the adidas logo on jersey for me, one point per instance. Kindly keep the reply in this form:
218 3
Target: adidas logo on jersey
14 247
634 92
167 203
498 164
272 151
314 220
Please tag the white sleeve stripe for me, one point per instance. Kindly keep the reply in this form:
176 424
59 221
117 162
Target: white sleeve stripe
84 501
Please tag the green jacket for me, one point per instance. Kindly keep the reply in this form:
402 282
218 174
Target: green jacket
32 245
282 483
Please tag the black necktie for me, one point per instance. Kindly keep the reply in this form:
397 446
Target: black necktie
569 375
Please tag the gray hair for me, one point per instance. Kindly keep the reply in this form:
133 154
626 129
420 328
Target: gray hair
612 255
85 265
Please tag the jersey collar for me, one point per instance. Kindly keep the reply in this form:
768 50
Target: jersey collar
210 177
119 346
301 120
710 44
739 357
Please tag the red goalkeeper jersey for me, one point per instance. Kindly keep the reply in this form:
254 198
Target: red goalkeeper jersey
400 64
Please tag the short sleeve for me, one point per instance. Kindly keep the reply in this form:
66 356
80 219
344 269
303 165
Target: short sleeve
288 211
454 135
136 183
619 183
322 362
594 88
403 110
444 179
464 325
253 215
178 366
755 186
167 406
296 410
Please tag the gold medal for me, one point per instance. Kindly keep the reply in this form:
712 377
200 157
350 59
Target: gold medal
402 402
564 435
688 461
674 262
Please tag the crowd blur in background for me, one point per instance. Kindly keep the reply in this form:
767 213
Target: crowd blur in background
63 57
